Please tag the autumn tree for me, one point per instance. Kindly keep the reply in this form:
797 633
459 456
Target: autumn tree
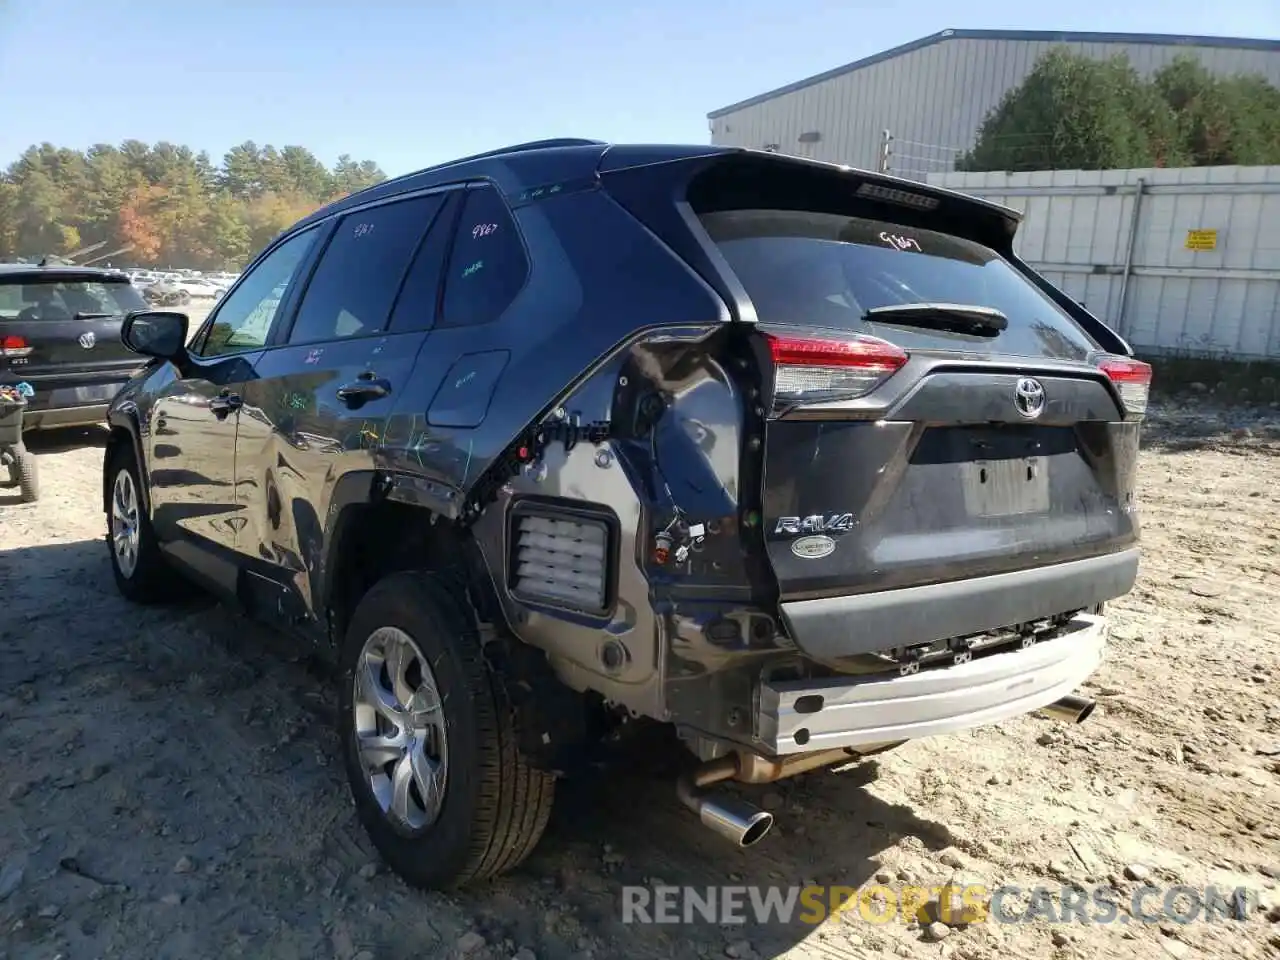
171 205
137 224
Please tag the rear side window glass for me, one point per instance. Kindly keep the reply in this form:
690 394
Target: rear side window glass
488 265
420 294
67 300
359 273
828 270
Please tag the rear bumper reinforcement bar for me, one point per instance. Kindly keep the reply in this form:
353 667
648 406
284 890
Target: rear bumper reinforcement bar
848 712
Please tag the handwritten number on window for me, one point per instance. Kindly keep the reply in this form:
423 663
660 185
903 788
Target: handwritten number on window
900 242
483 230
363 230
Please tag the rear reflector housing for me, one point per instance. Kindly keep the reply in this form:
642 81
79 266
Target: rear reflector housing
814 369
1132 379
561 558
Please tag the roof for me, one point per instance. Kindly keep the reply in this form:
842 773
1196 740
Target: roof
526 166
1033 36
26 272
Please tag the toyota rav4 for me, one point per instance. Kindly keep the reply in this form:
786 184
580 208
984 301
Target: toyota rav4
800 460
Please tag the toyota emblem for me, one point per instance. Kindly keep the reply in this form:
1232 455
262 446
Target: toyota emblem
87 340
1028 397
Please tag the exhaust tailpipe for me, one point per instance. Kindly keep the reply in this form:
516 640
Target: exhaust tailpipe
1070 709
733 819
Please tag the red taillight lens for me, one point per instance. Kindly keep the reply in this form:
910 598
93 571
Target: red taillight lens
1133 382
809 369
14 346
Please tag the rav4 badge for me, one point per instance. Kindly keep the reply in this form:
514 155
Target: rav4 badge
813 548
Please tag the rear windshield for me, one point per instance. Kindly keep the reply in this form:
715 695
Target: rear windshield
64 300
827 270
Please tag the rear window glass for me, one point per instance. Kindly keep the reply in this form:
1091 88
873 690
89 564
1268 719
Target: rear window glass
828 270
64 300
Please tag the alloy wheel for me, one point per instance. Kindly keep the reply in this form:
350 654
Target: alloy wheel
124 523
400 729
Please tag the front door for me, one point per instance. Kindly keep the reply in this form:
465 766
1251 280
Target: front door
192 427
317 406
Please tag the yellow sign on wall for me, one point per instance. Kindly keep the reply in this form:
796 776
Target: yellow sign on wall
1202 239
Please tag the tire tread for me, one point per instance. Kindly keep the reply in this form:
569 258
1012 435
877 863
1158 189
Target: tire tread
153 580
28 474
513 799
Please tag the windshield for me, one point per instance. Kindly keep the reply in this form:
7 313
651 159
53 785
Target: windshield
828 270
62 300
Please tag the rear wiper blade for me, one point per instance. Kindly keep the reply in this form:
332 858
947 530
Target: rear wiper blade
95 316
956 317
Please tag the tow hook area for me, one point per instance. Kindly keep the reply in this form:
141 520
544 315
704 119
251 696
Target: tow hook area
736 820
1070 709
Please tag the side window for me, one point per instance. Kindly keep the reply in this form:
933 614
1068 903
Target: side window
420 295
488 265
359 273
244 317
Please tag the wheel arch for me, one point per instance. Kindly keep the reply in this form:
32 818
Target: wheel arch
368 536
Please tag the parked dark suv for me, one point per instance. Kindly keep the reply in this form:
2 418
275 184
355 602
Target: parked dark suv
798 459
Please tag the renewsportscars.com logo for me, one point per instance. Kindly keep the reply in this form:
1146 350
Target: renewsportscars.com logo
952 904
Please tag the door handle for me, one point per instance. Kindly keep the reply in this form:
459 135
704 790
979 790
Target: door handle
225 403
368 386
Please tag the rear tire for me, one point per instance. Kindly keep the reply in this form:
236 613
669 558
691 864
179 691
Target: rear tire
141 573
488 806
26 473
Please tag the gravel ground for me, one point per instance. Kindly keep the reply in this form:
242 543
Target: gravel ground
171 785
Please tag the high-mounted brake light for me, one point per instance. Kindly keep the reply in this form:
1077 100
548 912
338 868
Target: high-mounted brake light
1132 379
810 369
14 346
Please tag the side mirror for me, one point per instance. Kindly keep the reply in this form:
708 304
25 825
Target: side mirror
156 333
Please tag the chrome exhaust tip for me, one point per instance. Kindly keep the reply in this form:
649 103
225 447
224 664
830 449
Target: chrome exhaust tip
735 820
741 823
1070 709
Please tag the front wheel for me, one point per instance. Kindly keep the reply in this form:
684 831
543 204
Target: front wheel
429 742
141 572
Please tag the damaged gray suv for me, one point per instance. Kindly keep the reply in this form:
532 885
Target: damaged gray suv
799 460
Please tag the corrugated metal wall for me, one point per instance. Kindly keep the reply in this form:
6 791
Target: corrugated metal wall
1076 231
933 99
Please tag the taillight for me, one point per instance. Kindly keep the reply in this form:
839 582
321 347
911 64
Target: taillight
14 346
1133 382
809 369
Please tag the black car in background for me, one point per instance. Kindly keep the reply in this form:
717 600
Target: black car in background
60 333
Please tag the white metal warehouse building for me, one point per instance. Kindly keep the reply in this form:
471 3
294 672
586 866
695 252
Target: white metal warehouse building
932 94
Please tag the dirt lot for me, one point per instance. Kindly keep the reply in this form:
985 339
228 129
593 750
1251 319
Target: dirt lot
170 784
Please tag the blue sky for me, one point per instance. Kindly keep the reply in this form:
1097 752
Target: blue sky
410 84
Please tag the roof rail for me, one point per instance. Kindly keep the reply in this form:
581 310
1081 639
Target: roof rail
551 144
531 145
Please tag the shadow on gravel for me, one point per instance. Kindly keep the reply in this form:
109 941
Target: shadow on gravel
65 438
622 826
187 707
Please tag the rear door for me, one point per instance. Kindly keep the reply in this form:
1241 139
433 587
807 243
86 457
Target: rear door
60 332
316 408
935 416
